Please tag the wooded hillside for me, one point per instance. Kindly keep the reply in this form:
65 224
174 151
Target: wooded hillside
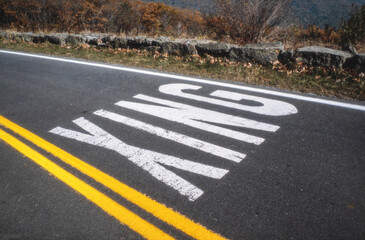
233 21
121 16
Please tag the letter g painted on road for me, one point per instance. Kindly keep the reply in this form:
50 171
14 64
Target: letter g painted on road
268 106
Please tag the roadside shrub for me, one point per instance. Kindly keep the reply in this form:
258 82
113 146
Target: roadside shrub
313 35
248 21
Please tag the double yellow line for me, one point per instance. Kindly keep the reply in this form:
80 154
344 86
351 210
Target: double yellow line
113 208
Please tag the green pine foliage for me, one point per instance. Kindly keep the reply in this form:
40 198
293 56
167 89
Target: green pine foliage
354 27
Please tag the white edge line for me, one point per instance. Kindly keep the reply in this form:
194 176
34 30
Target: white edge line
190 79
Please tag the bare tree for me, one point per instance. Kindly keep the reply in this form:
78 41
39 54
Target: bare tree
252 20
126 17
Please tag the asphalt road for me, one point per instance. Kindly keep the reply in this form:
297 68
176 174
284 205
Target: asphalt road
281 166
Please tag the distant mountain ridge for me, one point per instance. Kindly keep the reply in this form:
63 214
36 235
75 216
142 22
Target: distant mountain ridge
321 12
318 12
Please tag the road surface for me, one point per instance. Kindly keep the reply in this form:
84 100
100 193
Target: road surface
98 151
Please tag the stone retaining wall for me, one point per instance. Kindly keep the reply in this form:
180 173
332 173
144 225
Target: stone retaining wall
263 53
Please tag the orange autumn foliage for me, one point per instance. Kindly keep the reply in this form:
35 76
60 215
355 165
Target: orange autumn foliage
127 16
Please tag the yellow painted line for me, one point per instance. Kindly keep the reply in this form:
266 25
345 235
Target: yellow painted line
125 216
159 210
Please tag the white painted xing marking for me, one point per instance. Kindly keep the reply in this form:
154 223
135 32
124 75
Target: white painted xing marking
196 80
153 162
